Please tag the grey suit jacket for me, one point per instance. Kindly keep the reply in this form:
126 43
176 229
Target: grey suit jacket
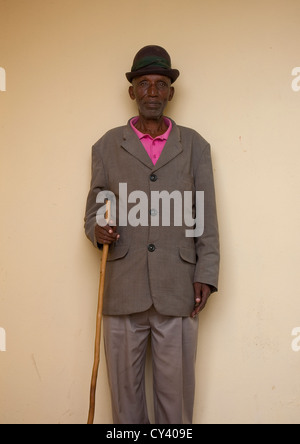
153 264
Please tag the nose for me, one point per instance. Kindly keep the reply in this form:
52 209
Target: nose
152 90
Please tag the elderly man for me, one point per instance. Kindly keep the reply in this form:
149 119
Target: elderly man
159 274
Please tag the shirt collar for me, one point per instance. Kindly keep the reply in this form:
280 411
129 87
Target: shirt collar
141 135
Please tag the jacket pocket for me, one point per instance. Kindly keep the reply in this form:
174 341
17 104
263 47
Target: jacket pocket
115 253
188 255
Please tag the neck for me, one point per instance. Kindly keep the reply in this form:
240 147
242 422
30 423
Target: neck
154 128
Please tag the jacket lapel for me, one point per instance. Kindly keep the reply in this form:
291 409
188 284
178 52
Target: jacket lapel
172 148
134 146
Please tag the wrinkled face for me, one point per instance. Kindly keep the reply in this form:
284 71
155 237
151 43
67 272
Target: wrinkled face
152 93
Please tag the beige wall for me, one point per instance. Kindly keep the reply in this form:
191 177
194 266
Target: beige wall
65 86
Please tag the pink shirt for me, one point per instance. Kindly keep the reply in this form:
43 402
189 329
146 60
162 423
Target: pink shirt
155 146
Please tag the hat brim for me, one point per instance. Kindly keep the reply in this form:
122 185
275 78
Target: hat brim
173 74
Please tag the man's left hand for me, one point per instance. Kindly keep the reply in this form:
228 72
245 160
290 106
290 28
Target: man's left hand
201 294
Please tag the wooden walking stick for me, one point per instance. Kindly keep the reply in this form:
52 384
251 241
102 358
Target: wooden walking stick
98 325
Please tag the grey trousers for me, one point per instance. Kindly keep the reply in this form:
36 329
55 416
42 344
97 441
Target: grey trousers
173 348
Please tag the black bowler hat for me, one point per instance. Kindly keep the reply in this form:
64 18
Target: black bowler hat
152 59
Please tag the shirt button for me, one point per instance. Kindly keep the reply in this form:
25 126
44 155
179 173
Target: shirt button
153 177
151 248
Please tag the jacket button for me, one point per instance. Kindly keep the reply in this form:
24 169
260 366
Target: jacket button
153 212
151 248
153 177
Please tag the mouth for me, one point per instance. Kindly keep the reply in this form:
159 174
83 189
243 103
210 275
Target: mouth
152 104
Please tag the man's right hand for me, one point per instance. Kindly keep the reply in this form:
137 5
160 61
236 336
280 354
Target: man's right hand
106 235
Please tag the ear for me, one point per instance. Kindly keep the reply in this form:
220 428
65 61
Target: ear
131 92
172 92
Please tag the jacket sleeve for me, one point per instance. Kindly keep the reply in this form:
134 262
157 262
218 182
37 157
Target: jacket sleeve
98 183
207 245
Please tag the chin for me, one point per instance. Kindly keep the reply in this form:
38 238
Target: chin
154 115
